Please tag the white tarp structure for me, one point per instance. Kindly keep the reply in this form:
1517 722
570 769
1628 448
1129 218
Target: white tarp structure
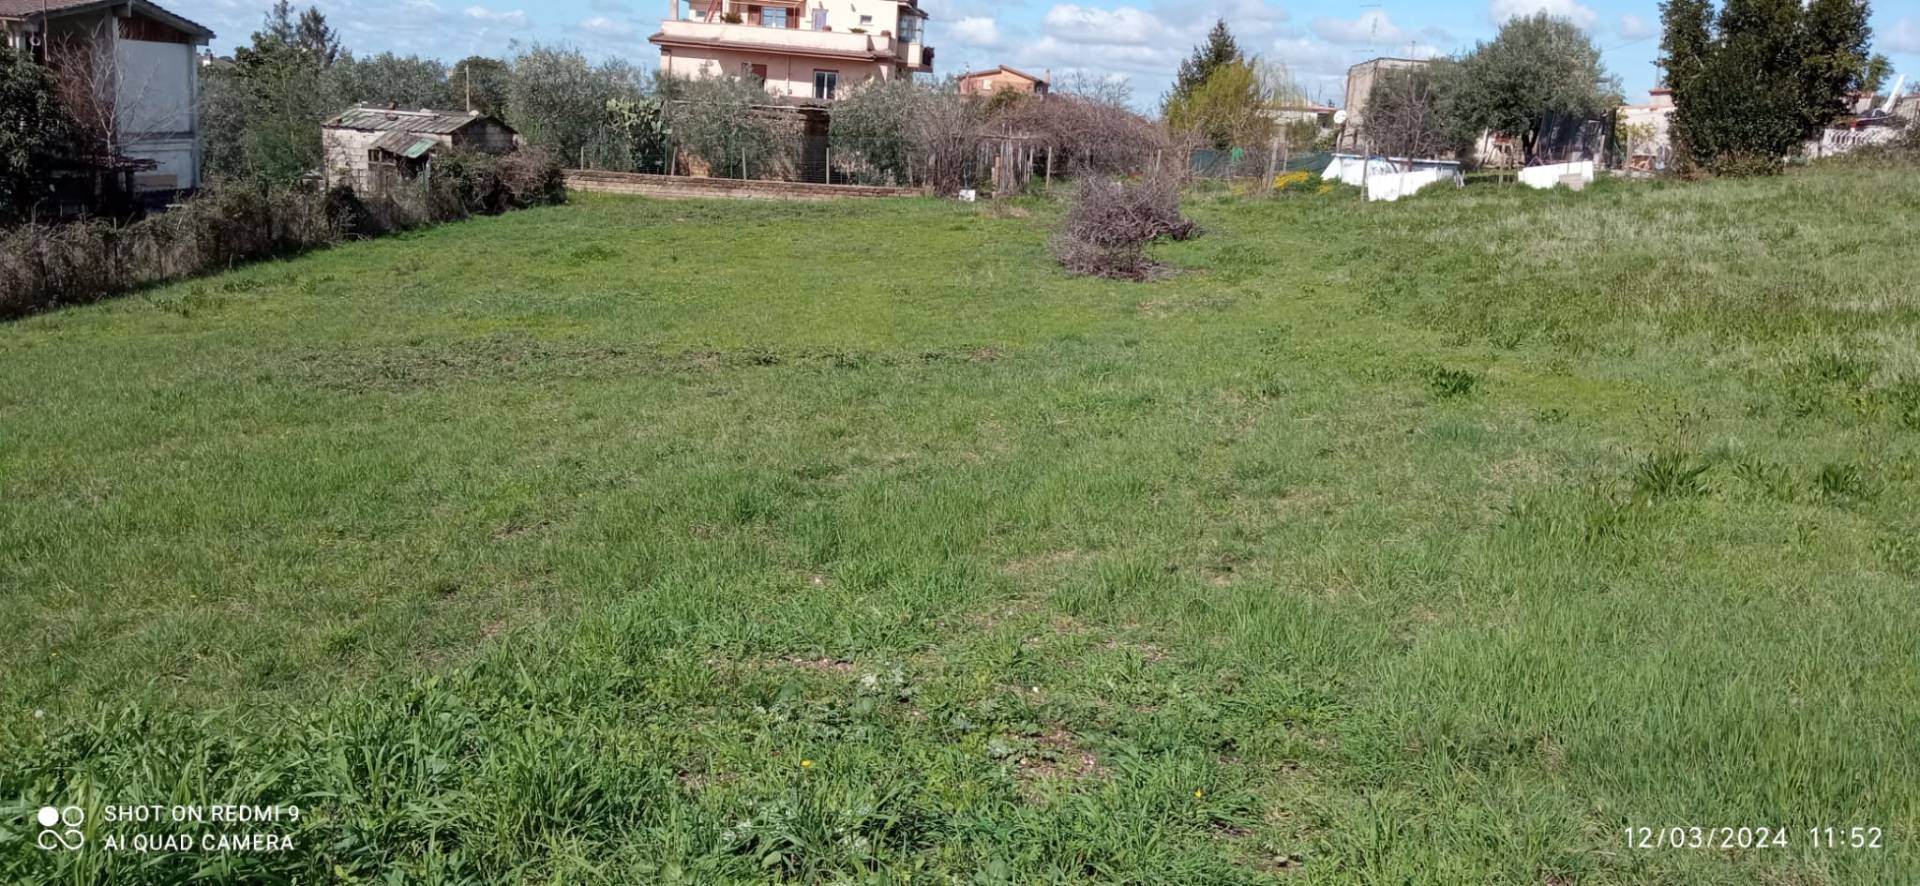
1390 178
1551 174
1352 169
1395 185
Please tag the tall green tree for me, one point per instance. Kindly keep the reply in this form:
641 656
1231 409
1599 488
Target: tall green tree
315 37
1229 108
559 99
261 117
1536 72
482 84
1753 82
33 133
1218 51
387 79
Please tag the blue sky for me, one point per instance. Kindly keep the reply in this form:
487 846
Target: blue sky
1140 40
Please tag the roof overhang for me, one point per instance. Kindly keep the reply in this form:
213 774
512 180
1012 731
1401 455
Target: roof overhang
201 33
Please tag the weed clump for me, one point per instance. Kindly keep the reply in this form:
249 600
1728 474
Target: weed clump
1110 224
1449 383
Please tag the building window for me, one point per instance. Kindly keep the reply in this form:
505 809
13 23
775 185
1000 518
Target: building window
909 29
866 21
824 83
773 16
819 19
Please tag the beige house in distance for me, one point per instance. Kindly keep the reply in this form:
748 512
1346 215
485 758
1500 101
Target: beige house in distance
803 50
993 80
1360 79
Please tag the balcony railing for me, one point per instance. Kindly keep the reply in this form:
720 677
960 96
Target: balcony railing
745 36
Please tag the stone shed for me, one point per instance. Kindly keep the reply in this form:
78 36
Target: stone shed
369 147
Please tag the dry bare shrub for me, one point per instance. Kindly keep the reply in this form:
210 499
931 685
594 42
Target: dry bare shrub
533 177
1110 223
1091 136
948 133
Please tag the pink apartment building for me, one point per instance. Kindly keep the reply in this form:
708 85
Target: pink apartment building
806 50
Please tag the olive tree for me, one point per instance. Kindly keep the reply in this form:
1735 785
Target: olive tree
1537 71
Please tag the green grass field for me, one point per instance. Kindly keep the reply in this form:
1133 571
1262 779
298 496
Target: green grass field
628 541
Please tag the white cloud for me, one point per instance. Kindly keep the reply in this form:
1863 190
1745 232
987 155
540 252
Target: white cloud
1252 21
1634 27
974 31
1120 26
1318 66
513 19
1050 51
1124 39
601 26
1905 37
1372 28
1567 9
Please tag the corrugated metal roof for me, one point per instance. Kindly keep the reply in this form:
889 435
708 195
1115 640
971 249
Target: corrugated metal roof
411 145
30 8
426 121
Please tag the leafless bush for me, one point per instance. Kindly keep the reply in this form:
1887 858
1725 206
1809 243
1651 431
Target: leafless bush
1088 136
533 177
1110 224
947 132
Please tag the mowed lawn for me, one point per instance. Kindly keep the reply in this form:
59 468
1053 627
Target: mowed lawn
631 541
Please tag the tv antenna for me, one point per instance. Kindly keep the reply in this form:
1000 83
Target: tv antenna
1373 29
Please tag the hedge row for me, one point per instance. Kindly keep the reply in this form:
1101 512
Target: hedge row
47 266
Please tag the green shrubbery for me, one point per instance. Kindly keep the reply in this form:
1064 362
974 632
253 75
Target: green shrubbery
1754 79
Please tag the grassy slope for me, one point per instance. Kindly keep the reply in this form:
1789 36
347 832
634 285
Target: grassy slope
1428 542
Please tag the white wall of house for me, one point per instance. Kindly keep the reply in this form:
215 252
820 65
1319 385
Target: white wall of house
823 35
787 74
158 91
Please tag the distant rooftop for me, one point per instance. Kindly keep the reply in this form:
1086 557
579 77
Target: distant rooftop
424 120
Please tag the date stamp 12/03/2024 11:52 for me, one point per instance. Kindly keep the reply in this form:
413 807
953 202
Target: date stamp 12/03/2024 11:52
1863 838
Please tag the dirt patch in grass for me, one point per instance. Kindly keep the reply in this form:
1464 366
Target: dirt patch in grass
1054 755
1027 567
401 368
828 665
513 529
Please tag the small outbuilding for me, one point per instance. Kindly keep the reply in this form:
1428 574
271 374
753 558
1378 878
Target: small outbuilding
369 148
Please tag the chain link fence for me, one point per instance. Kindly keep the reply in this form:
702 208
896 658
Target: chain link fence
1254 164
